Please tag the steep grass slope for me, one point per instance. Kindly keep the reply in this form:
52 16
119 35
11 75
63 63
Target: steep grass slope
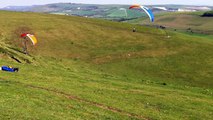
95 69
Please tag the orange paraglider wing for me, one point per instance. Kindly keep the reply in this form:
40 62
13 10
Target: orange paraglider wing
134 6
31 37
147 10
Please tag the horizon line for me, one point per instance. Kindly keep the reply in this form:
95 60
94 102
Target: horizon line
100 4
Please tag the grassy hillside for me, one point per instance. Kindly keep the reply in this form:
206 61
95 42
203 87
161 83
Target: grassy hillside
95 69
182 21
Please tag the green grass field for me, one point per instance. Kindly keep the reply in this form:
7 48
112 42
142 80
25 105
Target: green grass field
125 13
85 68
181 21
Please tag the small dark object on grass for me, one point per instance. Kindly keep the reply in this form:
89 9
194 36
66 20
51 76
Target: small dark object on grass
162 27
164 84
16 69
189 29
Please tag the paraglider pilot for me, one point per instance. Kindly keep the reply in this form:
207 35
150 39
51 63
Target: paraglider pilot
134 30
31 37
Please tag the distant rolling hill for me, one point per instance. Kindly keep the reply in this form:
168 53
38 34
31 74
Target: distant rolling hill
85 10
111 12
192 22
18 8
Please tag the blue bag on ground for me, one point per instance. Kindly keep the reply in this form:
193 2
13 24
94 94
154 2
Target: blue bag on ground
9 69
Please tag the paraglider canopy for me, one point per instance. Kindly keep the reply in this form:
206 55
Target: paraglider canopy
147 10
31 37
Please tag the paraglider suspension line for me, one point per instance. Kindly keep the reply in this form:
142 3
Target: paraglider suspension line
25 46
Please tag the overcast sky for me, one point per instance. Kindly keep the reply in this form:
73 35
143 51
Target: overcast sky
4 3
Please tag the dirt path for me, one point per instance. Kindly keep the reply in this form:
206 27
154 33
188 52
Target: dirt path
78 99
99 105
